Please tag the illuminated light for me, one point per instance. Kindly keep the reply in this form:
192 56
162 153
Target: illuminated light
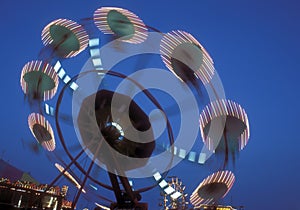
97 61
95 52
42 131
50 202
204 206
121 22
175 191
74 86
224 208
38 77
118 127
69 176
213 188
169 190
47 109
67 37
99 73
92 186
163 184
57 66
51 110
182 153
131 183
192 156
101 206
202 158
94 42
66 79
157 176
236 121
20 201
176 195
175 150
61 73
179 46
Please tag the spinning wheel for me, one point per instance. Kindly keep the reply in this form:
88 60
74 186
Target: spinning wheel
113 128
178 199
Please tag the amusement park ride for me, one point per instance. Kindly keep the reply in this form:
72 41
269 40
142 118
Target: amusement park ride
113 128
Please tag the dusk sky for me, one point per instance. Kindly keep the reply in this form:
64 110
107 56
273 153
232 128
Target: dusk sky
255 47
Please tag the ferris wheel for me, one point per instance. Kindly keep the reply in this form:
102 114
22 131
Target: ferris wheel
111 113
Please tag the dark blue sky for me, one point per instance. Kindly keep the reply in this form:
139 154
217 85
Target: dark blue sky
255 46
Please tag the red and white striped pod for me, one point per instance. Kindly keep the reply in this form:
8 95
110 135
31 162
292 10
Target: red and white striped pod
174 39
224 177
42 131
223 108
45 68
77 29
140 30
